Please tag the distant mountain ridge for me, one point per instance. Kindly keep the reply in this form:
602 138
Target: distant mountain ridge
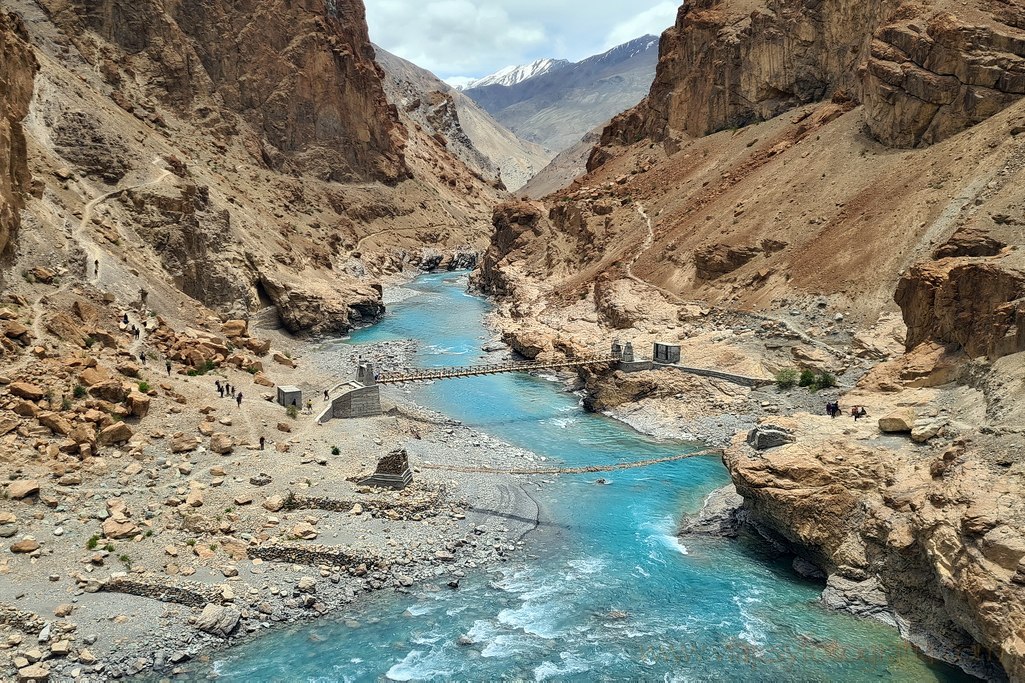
511 75
562 101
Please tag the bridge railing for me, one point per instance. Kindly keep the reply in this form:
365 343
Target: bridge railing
425 374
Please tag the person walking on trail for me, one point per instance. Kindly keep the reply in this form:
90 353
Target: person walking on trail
309 407
167 366
325 394
142 357
124 318
238 399
142 296
262 442
96 267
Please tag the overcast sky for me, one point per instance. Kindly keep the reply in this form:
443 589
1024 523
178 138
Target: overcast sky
474 38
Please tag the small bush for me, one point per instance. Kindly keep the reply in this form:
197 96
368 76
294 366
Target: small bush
144 387
292 412
335 450
825 381
125 560
89 341
65 403
786 379
109 547
191 542
78 391
252 370
93 542
807 378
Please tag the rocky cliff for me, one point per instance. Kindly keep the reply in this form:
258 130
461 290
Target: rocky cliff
232 159
17 69
923 73
302 75
927 539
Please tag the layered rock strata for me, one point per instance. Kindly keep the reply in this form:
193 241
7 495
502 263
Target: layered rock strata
17 70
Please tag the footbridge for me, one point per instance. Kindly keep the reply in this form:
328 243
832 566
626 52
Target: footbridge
361 398
432 374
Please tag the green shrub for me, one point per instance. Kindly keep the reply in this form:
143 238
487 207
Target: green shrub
144 387
125 560
786 379
78 391
807 378
65 403
825 381
89 341
93 542
292 412
335 450
109 547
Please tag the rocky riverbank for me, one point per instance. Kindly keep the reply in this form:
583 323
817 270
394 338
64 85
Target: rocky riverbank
155 554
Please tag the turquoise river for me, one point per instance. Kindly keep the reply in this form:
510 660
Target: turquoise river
699 610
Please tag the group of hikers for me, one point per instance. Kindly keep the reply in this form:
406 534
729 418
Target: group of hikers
228 390
834 411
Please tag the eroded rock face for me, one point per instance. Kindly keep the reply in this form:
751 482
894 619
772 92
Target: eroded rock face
301 73
978 304
726 64
927 80
923 73
17 71
937 548
321 308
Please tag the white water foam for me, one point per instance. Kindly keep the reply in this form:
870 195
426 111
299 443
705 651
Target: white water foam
588 565
417 665
571 664
661 536
754 631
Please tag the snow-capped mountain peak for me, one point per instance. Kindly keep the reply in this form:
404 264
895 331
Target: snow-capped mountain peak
511 75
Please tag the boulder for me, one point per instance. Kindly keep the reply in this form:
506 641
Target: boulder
33 672
898 421
274 504
217 620
924 432
195 498
235 328
262 380
22 488
29 392
304 531
116 433
180 443
767 436
116 528
282 359
138 403
92 376
258 346
221 443
110 390
55 422
25 546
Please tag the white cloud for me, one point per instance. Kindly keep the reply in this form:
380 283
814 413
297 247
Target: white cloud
472 38
653 21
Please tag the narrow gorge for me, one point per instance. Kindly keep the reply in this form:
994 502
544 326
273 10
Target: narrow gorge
222 225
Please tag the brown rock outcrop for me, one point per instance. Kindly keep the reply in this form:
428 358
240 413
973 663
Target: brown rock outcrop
302 74
978 304
923 74
940 551
307 307
927 80
17 71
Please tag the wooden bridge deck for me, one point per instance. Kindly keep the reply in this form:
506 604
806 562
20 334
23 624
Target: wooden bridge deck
428 374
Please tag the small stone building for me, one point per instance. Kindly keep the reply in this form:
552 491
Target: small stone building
666 353
288 394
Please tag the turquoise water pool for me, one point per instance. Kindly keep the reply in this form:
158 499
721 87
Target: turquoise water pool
605 590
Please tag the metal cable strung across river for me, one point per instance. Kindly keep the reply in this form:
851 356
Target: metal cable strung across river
467 469
427 374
